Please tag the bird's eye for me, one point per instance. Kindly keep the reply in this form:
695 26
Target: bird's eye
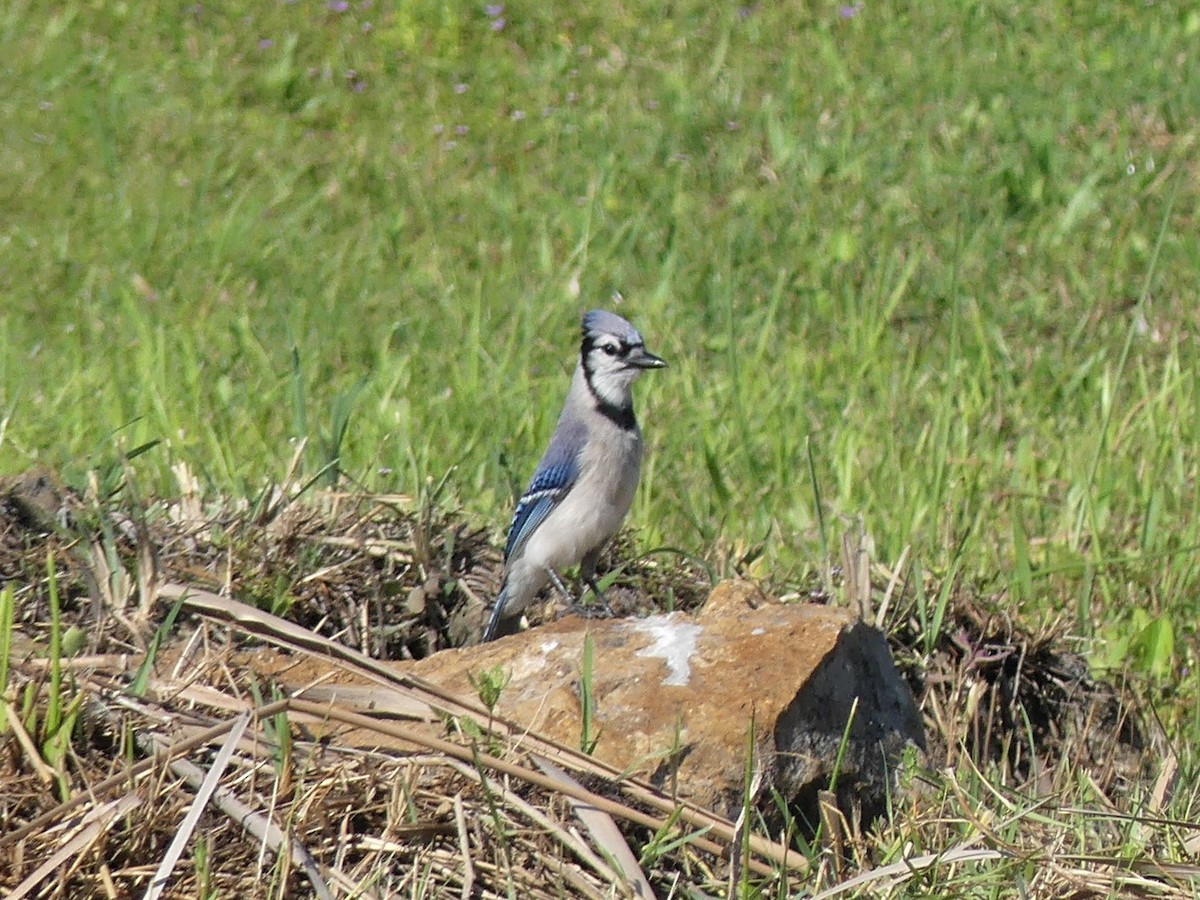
610 349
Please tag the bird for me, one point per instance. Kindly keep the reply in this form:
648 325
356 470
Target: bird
583 487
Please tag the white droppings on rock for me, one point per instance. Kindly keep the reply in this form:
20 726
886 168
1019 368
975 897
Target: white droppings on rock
549 647
674 643
759 631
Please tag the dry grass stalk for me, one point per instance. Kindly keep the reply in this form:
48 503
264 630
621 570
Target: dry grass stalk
604 832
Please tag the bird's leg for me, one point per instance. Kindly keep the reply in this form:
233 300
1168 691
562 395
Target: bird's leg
605 607
562 588
587 572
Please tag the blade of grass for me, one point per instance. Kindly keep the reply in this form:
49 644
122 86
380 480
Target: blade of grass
141 678
6 633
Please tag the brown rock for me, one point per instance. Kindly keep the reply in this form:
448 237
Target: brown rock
675 697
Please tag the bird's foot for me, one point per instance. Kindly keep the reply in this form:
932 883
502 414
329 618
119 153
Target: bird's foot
598 610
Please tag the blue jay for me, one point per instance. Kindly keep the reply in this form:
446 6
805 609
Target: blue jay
584 485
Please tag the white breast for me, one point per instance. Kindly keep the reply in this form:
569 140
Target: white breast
596 506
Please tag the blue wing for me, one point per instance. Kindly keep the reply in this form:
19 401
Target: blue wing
555 476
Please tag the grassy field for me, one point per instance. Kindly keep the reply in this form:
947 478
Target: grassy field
931 268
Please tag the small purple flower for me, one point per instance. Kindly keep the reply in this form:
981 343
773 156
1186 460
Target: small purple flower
498 24
338 6
494 9
461 129
849 12
460 88
266 44
517 115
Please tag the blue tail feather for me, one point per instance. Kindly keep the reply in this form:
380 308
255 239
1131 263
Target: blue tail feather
493 625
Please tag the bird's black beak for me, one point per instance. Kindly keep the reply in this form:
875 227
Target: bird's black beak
641 358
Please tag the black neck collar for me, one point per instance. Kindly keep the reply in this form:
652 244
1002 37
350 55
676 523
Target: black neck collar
621 416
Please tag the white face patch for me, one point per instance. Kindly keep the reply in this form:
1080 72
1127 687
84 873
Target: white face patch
610 376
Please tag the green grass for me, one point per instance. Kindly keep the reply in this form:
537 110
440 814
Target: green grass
949 250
